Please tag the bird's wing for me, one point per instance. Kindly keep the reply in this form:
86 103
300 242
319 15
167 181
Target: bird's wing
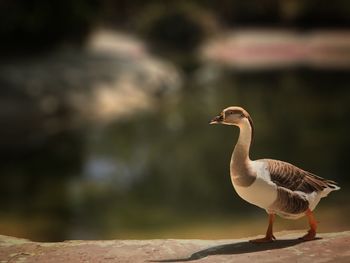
295 179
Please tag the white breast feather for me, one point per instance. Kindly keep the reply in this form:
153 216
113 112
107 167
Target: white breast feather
263 192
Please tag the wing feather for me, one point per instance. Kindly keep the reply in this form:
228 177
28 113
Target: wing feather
286 175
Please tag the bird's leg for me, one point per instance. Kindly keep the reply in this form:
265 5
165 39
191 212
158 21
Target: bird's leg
269 235
311 234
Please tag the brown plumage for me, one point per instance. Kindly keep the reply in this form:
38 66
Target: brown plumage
286 175
288 202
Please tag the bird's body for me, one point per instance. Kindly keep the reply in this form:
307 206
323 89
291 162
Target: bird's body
283 193
276 186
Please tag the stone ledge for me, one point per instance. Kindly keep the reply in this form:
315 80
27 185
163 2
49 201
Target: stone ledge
330 247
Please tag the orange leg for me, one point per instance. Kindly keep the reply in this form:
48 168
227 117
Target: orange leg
269 235
311 234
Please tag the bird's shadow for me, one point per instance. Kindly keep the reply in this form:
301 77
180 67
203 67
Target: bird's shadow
236 248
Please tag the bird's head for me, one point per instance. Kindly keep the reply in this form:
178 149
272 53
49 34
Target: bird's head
232 116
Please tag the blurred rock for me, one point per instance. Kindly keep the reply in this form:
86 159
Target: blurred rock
331 247
113 77
274 49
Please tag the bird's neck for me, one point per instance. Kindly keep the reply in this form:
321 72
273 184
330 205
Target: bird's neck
240 167
241 151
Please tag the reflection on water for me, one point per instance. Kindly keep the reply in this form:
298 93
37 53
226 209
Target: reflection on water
168 167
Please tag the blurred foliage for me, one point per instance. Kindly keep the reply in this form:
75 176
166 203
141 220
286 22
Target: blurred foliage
38 24
175 31
299 13
35 25
166 25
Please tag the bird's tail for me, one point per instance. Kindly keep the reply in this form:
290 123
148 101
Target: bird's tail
331 186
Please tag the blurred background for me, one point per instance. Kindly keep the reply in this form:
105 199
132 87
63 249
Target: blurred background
104 110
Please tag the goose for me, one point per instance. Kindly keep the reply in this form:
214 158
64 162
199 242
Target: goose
275 186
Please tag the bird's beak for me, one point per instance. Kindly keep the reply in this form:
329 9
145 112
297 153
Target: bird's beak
217 120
